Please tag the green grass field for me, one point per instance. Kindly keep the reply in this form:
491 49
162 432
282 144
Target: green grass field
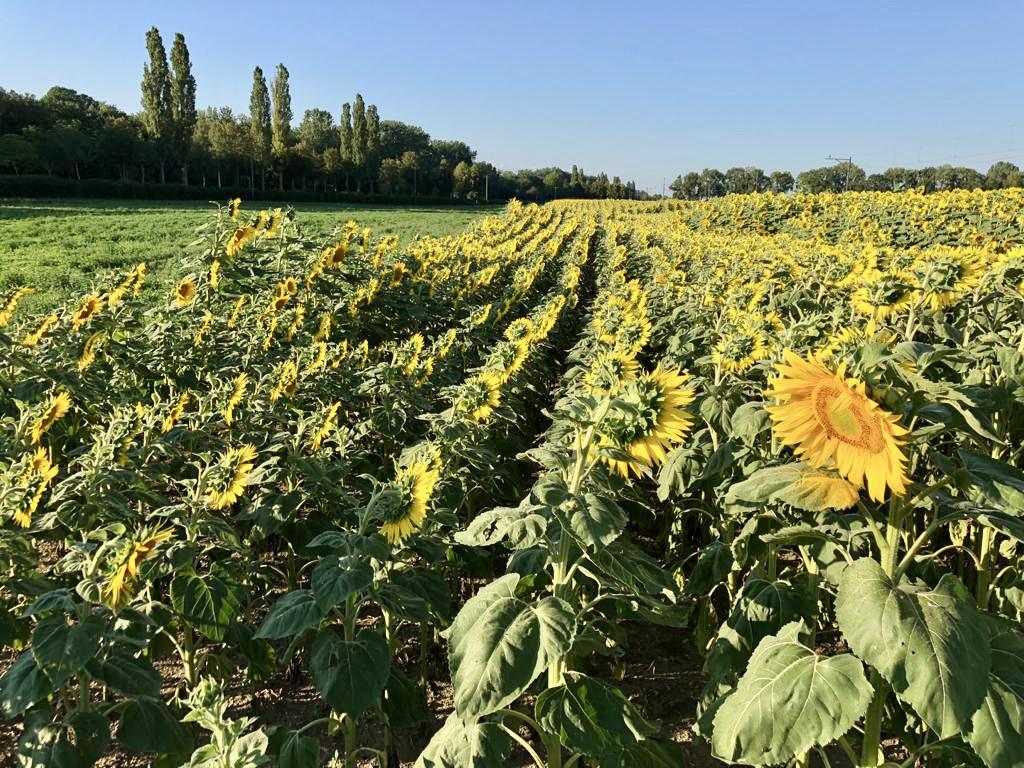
59 247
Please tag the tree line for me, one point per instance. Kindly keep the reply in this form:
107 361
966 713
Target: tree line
70 134
842 177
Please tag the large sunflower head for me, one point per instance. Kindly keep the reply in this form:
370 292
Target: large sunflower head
480 396
90 306
609 373
130 557
737 351
230 475
238 240
185 293
646 420
885 294
402 505
54 411
828 420
945 274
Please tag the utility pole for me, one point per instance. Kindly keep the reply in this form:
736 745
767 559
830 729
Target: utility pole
487 187
849 165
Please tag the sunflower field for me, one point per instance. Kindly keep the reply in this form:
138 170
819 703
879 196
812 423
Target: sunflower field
427 498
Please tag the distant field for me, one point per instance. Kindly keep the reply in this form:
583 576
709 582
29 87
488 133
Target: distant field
59 247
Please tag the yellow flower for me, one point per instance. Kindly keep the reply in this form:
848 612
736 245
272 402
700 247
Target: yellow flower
207 319
883 295
233 207
36 336
287 382
238 240
828 419
275 223
175 413
320 359
11 303
334 256
609 374
37 478
56 410
323 331
739 350
185 292
647 420
241 383
231 476
139 278
234 313
90 306
140 549
325 428
215 274
89 350
403 505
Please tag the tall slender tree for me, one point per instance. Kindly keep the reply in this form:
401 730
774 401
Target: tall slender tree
359 140
280 121
157 114
183 102
259 127
372 158
346 141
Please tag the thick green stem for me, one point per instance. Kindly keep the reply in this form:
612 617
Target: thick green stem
986 556
871 754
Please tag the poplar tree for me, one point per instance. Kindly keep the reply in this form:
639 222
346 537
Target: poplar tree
183 102
345 140
372 159
259 127
280 120
359 140
157 115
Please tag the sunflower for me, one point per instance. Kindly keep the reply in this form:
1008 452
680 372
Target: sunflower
944 275
197 340
90 306
633 335
235 312
233 207
609 373
398 273
185 293
275 223
296 324
37 335
323 331
139 549
138 278
39 473
215 274
320 359
230 476
325 428
885 294
480 396
403 504
12 302
89 350
334 256
737 351
56 410
238 240
519 329
287 382
828 419
850 338
237 393
446 343
175 413
647 419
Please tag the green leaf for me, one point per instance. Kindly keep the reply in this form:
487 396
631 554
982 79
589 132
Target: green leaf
350 675
632 569
404 702
590 716
748 421
712 567
23 685
930 645
298 751
648 753
291 615
498 644
523 526
460 745
1001 483
148 726
594 521
61 649
789 700
127 674
335 579
799 485
997 728
92 735
210 603
44 745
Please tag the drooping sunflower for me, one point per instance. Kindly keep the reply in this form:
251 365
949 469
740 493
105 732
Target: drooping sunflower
287 382
175 413
8 308
238 240
480 396
233 207
37 335
519 329
647 420
197 340
91 305
737 351
237 393
275 224
323 331
39 473
117 589
215 274
55 410
946 274
230 476
185 293
402 505
828 420
327 426
609 373
89 350
885 294
239 304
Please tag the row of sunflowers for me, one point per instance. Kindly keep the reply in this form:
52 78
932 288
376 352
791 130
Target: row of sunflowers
782 429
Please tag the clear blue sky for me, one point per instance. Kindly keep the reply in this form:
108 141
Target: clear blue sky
644 90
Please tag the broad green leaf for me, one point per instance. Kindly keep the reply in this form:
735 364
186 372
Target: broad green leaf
649 753
789 700
210 603
127 674
932 646
594 521
632 569
335 579
43 744
148 726
92 735
61 649
404 703
523 526
23 685
350 675
498 644
299 751
997 728
712 567
799 485
1001 483
460 745
748 422
291 615
590 716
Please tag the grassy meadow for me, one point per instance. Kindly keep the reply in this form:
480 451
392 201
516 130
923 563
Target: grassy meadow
58 247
